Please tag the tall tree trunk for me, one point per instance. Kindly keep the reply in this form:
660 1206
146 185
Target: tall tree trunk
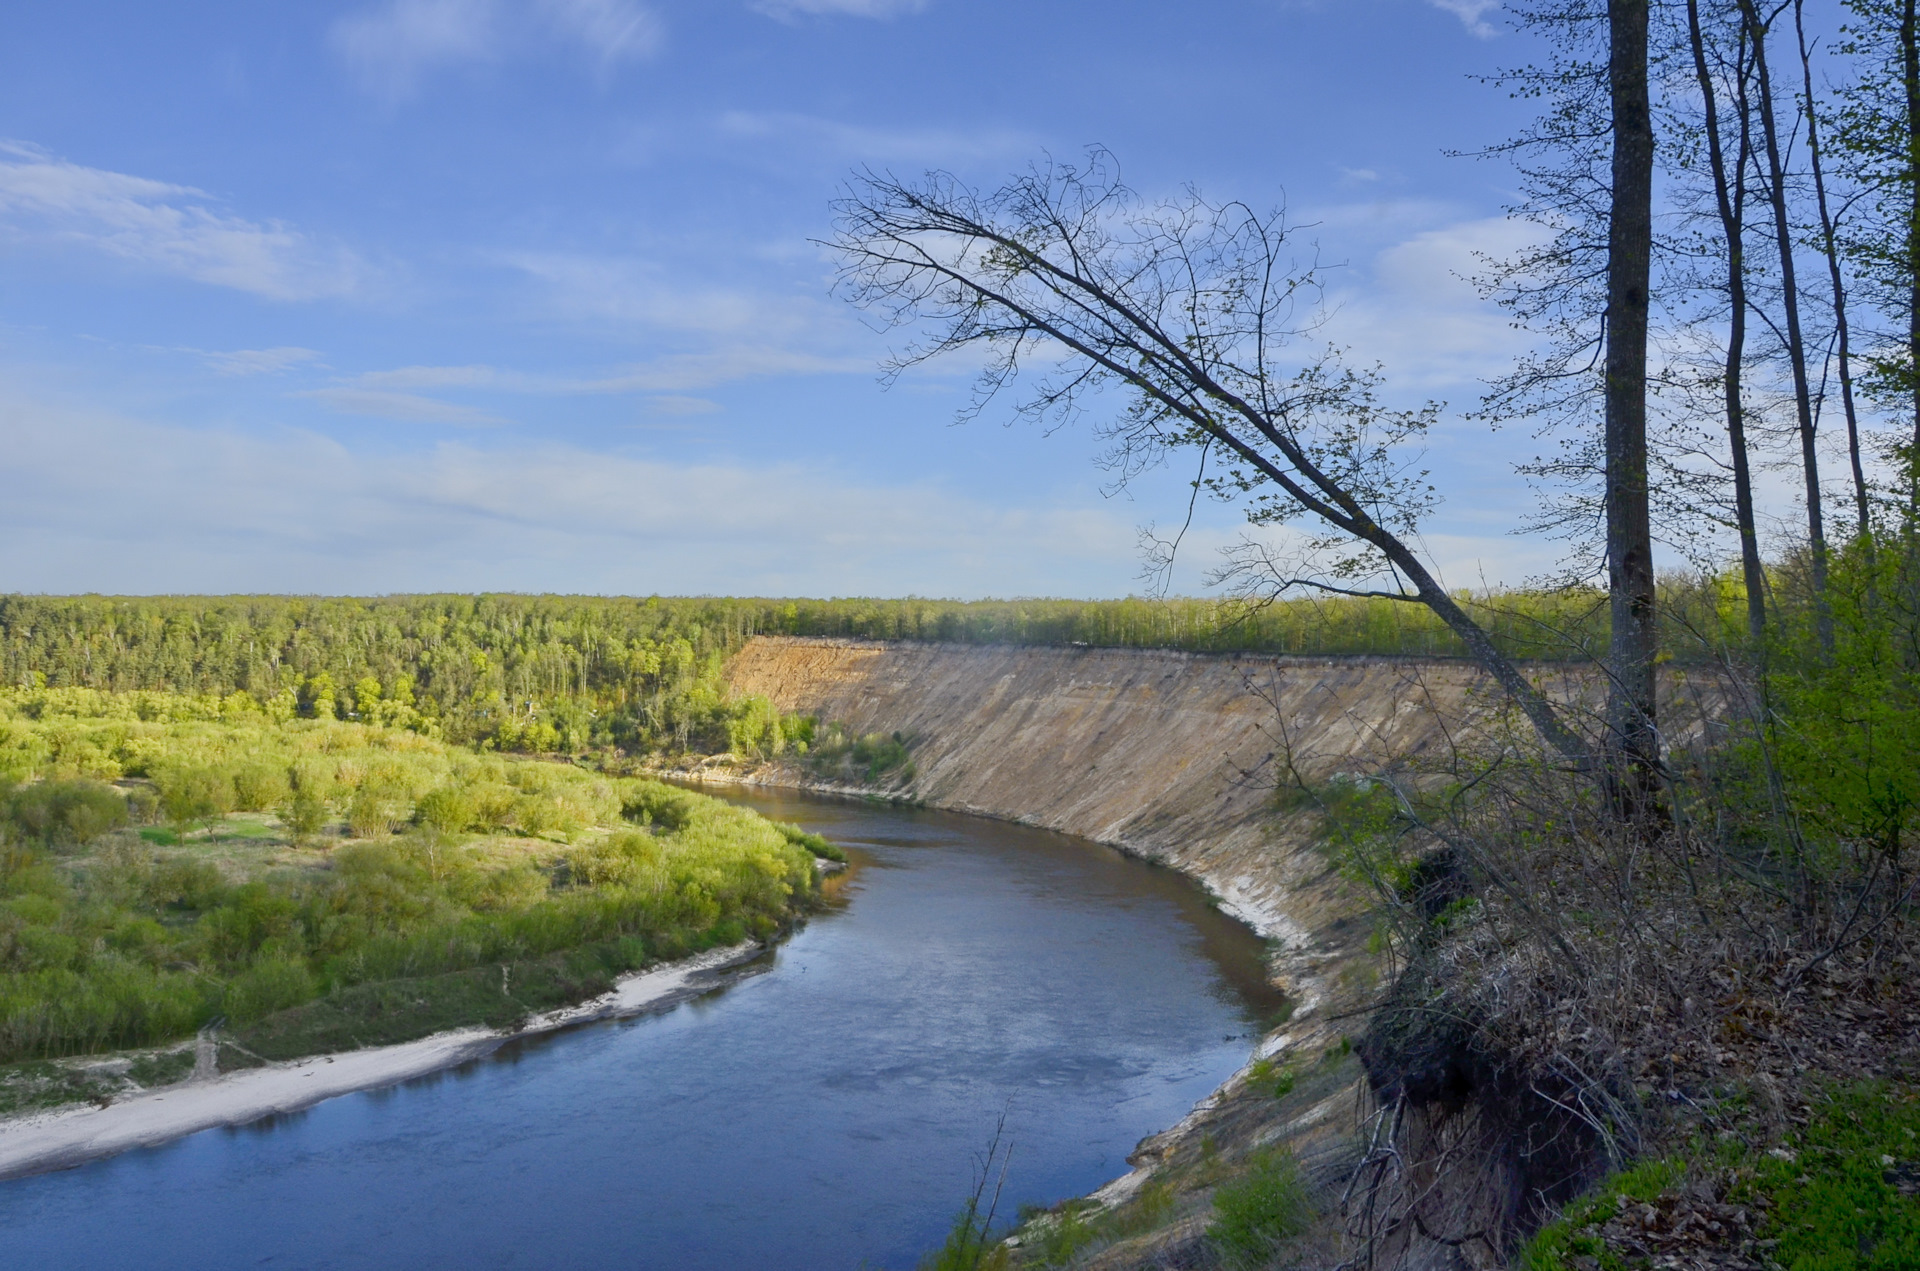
1730 198
1910 77
1829 246
1631 712
1796 345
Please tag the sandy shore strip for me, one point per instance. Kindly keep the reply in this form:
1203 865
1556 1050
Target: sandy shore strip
72 1136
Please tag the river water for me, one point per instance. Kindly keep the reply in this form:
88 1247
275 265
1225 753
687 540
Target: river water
826 1113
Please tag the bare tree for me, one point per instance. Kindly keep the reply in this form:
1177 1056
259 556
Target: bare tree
1793 340
1876 147
1191 313
1730 200
1836 281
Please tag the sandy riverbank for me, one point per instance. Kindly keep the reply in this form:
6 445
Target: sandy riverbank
72 1136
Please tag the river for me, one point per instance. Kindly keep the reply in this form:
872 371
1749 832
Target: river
823 1114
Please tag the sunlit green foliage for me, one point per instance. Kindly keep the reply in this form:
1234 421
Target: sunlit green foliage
1840 1193
564 673
107 942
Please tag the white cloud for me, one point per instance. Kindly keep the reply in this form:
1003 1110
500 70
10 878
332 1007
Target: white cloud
259 361
97 506
1472 15
581 288
163 227
735 333
408 408
392 46
844 8
1414 308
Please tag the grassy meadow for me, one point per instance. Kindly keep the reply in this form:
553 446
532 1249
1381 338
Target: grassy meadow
170 861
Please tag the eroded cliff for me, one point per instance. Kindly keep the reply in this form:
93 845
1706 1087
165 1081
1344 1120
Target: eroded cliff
1178 757
1168 755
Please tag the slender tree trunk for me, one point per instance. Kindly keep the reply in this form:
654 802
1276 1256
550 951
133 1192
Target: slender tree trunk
1829 246
1631 711
1843 346
1730 197
1796 345
1910 77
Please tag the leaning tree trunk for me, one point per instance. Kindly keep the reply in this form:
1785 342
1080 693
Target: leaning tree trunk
1631 715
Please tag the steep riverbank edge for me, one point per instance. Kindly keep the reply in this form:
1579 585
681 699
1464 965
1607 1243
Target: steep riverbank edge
61 1139
1175 758
1169 757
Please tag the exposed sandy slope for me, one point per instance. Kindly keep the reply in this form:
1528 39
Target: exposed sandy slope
62 1139
1170 756
1167 755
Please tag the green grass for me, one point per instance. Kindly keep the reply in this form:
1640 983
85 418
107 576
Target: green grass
820 847
38 1085
494 996
1832 1197
162 1069
1838 1203
1556 1246
1256 1212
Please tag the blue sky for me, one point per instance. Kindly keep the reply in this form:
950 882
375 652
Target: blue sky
519 294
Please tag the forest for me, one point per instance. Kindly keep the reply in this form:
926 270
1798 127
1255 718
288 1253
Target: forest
564 674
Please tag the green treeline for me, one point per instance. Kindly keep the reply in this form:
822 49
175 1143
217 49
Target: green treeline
569 673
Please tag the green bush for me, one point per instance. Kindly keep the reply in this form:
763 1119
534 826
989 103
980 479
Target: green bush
259 787
73 811
304 813
269 986
1254 1213
447 809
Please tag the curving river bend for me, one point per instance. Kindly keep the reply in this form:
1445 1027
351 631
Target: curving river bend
824 1113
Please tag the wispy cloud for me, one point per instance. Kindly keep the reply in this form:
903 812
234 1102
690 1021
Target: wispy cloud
712 334
406 377
789 9
871 144
392 46
612 30
410 408
1414 308
1472 15
259 361
171 229
681 406
97 508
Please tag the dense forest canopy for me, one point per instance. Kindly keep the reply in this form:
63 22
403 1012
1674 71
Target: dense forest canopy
549 673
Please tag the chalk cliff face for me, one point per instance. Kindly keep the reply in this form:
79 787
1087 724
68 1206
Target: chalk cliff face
1168 755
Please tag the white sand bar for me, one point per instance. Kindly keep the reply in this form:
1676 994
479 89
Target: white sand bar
72 1136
